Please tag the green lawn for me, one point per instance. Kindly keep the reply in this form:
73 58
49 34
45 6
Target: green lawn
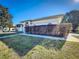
27 47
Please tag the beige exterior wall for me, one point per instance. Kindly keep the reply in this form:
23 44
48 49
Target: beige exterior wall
46 21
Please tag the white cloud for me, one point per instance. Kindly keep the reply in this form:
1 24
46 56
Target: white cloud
76 1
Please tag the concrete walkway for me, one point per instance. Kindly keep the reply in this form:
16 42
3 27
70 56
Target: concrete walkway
8 36
71 37
43 36
39 36
7 32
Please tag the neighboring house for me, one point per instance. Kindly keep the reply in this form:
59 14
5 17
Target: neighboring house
19 27
9 29
47 26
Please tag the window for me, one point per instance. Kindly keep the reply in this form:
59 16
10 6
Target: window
26 22
30 22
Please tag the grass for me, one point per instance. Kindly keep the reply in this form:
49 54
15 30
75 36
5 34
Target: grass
27 47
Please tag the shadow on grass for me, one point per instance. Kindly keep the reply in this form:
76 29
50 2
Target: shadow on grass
23 44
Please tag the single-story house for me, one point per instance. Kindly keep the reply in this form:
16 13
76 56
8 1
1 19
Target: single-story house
50 25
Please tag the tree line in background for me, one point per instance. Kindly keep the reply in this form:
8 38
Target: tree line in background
72 17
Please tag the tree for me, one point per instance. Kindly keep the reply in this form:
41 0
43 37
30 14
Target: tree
72 17
5 17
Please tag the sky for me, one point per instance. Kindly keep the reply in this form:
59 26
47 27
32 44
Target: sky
32 9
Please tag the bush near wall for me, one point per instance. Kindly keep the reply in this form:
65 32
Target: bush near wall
65 28
77 30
